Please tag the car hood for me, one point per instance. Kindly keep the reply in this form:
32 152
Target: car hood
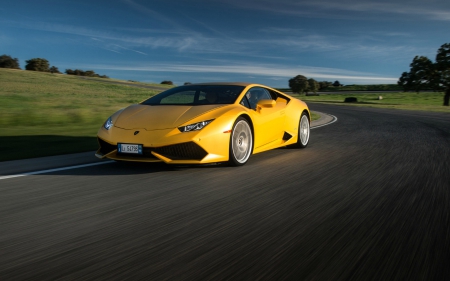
159 117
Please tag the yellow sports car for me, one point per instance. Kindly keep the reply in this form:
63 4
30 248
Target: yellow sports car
205 123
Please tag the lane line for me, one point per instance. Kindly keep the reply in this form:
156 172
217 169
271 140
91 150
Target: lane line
334 120
106 162
54 170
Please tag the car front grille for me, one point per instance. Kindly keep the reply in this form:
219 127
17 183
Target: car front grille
182 151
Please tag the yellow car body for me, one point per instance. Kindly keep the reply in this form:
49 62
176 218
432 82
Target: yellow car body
155 131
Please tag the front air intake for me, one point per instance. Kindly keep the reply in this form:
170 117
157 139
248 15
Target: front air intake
105 147
182 151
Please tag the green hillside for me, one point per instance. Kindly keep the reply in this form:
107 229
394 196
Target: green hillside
48 114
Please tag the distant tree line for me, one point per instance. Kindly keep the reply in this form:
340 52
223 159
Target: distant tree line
88 73
425 74
300 84
43 65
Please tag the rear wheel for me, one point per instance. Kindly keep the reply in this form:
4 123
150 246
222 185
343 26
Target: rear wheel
241 142
303 131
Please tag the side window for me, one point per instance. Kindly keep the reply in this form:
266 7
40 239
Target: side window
265 95
245 102
273 95
202 97
256 94
279 97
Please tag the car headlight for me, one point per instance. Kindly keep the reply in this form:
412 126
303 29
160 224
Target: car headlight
195 126
108 124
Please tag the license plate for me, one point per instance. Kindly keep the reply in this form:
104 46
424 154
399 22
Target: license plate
129 148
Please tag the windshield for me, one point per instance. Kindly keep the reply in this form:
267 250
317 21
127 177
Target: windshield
197 95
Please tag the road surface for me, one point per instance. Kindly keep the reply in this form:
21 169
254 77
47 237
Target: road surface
368 199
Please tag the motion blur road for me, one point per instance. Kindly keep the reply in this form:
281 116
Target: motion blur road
368 199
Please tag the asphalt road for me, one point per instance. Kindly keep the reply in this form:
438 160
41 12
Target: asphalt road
368 199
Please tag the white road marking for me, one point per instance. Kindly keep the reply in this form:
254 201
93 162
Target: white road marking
334 120
54 170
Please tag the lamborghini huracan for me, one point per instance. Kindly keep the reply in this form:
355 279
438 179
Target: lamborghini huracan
205 123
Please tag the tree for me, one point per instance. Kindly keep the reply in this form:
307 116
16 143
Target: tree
405 81
90 73
426 74
313 85
298 84
421 73
37 64
419 76
54 69
443 70
9 62
337 83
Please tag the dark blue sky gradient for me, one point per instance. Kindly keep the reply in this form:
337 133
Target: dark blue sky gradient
262 41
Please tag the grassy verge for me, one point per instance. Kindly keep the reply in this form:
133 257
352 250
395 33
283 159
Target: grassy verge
314 116
48 114
410 101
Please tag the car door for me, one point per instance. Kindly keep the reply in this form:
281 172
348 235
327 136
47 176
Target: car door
268 121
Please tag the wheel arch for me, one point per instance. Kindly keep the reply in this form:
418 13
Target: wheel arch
308 114
250 122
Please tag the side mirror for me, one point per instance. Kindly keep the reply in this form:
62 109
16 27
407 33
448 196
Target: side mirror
266 103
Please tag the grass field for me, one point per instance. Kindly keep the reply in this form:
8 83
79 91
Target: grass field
48 114
411 101
314 116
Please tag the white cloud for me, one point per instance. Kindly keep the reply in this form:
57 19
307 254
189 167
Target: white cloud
431 10
121 47
404 8
285 41
270 71
111 50
153 14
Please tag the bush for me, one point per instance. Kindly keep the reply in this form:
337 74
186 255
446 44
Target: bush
9 62
87 73
54 69
38 64
166 82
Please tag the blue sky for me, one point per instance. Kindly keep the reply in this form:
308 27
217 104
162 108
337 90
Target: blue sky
261 41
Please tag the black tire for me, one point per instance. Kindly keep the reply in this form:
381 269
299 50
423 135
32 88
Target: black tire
303 131
241 142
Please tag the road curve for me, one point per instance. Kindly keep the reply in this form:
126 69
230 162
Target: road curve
367 200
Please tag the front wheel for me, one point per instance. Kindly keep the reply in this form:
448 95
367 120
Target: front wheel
241 142
303 131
